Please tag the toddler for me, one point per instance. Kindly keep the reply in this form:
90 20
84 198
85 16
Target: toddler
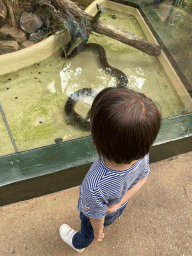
124 125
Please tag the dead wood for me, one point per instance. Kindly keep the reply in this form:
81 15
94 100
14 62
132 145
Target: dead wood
110 30
11 13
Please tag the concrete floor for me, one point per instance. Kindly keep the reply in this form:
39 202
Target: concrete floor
157 220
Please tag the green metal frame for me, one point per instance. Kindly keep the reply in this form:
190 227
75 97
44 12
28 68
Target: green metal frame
52 168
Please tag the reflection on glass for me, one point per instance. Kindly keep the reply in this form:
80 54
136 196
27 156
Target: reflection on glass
172 21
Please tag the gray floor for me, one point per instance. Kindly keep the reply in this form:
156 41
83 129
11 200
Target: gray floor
157 220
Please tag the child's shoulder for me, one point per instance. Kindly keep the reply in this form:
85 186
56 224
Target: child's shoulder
142 162
96 168
96 172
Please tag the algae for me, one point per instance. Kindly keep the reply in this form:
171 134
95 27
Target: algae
34 98
6 147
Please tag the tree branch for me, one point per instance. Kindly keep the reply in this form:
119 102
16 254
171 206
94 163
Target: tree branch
110 30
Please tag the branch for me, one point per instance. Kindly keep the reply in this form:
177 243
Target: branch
110 30
11 13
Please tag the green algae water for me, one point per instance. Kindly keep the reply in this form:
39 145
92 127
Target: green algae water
33 98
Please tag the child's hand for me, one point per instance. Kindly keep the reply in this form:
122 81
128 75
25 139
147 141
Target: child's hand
112 208
99 236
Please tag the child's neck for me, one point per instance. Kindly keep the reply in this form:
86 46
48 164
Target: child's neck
119 167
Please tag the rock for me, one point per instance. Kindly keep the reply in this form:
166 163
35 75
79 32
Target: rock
8 46
37 37
3 12
25 44
6 37
30 22
16 33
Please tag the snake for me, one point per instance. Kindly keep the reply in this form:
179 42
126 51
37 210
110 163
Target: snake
121 78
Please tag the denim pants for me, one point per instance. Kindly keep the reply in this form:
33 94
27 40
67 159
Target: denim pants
85 236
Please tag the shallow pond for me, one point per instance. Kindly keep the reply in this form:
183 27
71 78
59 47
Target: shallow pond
33 98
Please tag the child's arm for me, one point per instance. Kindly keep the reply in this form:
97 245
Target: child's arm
127 196
98 225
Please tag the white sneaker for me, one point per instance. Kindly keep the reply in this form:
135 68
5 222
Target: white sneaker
66 234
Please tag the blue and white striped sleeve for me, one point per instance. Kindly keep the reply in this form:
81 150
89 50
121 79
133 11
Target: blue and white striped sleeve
93 204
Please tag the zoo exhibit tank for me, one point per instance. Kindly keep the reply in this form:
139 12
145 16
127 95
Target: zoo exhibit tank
172 21
33 98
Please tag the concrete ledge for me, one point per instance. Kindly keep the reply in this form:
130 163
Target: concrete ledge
14 61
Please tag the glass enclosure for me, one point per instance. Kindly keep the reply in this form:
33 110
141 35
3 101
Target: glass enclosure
172 21
33 99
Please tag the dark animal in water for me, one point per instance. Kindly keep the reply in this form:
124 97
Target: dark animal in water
122 81
71 102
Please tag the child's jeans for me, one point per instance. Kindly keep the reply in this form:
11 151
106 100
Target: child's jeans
85 236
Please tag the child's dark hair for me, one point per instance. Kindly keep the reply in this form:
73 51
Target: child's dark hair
124 124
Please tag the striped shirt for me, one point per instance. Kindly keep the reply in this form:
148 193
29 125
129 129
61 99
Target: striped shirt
103 186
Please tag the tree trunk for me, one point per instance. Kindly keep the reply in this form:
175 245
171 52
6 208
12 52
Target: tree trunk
3 12
11 13
17 12
110 30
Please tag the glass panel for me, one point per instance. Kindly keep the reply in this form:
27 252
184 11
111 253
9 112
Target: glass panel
33 101
172 20
6 146
33 98
145 73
